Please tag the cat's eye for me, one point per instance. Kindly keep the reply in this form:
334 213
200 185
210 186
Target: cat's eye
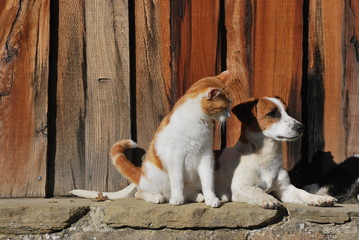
274 114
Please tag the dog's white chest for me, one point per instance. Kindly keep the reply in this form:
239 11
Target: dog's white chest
267 172
266 180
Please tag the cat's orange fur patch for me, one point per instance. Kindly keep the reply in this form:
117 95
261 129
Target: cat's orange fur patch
123 165
153 158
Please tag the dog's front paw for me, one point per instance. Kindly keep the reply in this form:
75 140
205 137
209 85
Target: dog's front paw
323 201
270 203
176 200
213 202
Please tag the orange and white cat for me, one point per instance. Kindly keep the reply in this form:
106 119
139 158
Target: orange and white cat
179 163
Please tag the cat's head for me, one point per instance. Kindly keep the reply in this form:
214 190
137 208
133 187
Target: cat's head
216 99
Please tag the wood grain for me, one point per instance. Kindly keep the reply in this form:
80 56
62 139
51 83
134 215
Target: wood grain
153 67
332 91
70 100
107 117
350 97
24 42
238 23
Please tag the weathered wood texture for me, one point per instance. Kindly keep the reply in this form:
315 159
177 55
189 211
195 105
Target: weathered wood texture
264 51
238 23
195 42
93 94
332 86
107 117
350 85
153 72
96 47
24 43
70 99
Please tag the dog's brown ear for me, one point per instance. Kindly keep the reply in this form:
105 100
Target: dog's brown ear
246 111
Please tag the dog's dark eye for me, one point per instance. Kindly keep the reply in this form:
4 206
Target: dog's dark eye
273 114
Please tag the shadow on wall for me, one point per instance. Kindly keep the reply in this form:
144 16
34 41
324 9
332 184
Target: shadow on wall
340 179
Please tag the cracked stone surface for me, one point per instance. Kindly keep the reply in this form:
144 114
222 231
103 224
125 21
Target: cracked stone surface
193 215
21 216
75 218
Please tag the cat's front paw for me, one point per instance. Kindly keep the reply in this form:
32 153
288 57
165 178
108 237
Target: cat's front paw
213 202
200 197
176 201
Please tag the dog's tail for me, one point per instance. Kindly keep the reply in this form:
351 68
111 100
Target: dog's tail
128 191
123 165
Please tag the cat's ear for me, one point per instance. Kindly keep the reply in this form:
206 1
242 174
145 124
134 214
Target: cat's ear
246 111
224 76
213 93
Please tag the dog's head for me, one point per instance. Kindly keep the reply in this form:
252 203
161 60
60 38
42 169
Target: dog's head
269 116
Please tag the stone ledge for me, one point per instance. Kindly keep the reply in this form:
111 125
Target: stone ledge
338 214
37 215
79 218
193 215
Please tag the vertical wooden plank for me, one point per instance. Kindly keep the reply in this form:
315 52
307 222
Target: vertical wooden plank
153 70
350 98
24 43
107 90
196 41
196 51
333 76
325 75
333 72
70 100
277 58
239 59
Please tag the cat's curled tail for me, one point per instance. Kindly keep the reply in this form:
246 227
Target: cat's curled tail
124 166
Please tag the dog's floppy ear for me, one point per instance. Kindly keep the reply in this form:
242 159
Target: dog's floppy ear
246 111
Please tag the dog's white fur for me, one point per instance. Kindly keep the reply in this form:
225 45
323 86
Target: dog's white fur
252 171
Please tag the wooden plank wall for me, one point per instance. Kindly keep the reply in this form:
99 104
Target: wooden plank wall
24 50
154 86
331 87
69 149
106 70
93 94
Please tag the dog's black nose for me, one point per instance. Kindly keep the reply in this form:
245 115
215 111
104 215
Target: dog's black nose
299 128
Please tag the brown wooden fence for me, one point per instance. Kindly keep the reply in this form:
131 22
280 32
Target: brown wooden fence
77 75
